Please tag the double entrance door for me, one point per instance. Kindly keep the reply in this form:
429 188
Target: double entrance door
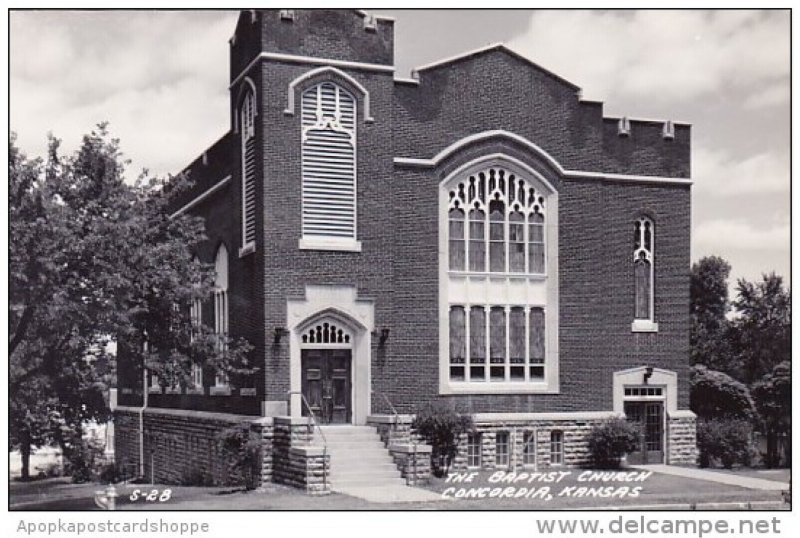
327 384
649 418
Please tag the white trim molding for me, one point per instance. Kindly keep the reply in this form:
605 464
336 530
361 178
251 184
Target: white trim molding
553 416
290 100
294 58
529 290
644 326
344 244
572 174
636 377
211 190
357 315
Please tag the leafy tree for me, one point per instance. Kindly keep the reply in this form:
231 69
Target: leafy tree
709 307
93 259
761 334
717 395
773 398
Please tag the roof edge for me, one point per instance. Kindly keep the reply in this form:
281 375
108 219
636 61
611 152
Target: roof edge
487 48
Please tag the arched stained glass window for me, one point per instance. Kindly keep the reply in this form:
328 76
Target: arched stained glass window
643 268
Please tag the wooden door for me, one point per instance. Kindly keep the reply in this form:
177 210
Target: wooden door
327 384
649 418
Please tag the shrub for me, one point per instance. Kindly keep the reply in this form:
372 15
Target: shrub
718 395
725 441
83 459
197 477
241 448
440 425
610 441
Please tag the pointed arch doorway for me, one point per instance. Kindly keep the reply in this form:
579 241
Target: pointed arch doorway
331 365
326 370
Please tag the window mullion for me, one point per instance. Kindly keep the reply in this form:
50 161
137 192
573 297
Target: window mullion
487 311
507 362
468 358
527 343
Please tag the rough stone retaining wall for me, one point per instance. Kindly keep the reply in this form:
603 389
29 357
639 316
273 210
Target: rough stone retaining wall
681 438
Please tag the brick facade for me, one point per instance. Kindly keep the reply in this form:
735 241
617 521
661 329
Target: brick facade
397 268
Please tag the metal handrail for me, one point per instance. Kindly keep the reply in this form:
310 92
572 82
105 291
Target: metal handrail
311 415
315 425
394 411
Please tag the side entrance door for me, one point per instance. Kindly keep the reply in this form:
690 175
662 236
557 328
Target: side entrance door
327 385
649 417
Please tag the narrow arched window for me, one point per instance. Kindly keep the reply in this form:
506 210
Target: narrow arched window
196 317
457 252
329 163
643 257
221 305
247 131
477 240
497 237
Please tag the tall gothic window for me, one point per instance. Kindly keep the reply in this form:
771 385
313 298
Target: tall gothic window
643 268
221 305
247 131
496 233
329 163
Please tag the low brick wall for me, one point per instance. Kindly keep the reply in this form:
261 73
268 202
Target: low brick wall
681 438
182 446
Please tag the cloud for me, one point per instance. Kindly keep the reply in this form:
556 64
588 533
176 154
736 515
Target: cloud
726 234
665 56
159 78
719 172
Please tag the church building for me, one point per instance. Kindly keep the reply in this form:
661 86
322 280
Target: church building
476 233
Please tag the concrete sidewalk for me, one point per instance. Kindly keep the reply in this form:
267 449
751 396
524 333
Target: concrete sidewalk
389 493
713 476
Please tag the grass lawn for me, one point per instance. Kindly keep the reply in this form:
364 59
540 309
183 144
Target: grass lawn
778 475
58 494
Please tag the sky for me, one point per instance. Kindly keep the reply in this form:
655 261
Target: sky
160 79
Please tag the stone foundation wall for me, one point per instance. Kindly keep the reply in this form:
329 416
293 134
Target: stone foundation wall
681 438
294 461
413 460
574 435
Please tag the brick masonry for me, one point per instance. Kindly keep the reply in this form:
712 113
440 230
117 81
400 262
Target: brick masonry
398 221
182 447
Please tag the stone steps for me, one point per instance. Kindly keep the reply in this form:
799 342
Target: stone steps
358 458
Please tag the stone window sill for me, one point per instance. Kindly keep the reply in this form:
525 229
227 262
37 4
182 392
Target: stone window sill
249 248
329 243
644 326
220 391
154 390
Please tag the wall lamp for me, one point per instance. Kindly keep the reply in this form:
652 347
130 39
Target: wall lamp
648 373
279 333
384 336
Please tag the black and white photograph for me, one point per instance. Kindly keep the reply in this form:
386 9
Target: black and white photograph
340 259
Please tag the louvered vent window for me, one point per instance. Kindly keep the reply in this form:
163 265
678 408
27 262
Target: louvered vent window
248 132
329 163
